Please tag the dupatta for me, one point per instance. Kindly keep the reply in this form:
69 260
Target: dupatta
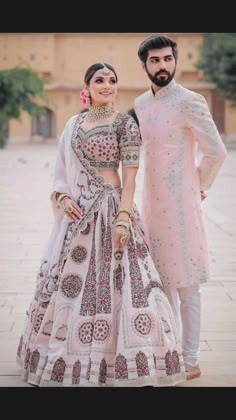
75 176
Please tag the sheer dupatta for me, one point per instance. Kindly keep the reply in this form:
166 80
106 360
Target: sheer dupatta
74 176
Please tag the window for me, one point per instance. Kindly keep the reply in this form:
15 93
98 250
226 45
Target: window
44 125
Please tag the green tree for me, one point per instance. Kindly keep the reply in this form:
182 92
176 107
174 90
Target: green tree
218 62
19 90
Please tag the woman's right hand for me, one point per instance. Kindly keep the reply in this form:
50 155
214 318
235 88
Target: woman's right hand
121 237
71 208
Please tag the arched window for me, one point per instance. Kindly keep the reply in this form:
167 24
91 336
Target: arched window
44 125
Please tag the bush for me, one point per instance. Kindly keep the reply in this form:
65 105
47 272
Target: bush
3 133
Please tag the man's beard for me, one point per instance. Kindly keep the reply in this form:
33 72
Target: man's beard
160 80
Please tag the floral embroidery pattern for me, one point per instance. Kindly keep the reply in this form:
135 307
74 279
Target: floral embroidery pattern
37 322
103 371
142 364
58 370
121 370
143 324
172 362
34 361
141 250
27 359
118 278
104 290
79 254
88 369
101 330
71 286
88 305
85 334
76 373
139 298
105 146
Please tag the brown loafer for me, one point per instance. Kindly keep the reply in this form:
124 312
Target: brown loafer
193 372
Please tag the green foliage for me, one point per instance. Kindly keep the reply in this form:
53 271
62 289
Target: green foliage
19 90
218 62
3 133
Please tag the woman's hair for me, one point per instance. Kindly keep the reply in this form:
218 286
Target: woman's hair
156 42
95 67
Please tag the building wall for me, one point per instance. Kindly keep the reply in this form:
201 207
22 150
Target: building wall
64 57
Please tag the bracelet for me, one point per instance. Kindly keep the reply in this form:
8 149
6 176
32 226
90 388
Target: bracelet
57 195
61 197
122 220
123 224
124 210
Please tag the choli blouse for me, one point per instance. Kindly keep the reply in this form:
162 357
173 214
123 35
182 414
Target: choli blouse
104 146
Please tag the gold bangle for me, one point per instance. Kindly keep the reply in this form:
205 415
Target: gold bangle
122 220
57 195
61 197
122 224
124 210
126 222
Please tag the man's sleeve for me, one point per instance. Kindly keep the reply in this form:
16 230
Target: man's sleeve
199 120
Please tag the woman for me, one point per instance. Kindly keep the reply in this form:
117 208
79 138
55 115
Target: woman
99 315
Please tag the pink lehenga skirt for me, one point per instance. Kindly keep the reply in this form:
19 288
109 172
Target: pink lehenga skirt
100 317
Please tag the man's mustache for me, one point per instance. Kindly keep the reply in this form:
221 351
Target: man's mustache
162 71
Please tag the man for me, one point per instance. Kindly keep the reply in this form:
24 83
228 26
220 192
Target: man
174 121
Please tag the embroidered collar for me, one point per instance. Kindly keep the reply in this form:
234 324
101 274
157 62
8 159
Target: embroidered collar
164 90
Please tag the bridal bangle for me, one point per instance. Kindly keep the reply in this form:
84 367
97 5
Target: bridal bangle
124 210
122 222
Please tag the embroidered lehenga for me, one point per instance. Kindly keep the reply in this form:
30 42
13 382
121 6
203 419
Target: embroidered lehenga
99 316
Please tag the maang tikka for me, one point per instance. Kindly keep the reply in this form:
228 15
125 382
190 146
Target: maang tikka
105 69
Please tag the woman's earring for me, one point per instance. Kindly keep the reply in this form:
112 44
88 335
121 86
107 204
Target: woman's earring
88 99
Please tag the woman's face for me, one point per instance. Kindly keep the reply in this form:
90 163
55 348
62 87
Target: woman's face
102 88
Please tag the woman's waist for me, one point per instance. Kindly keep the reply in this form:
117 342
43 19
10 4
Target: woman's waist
111 176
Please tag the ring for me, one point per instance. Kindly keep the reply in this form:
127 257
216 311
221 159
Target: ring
69 209
123 238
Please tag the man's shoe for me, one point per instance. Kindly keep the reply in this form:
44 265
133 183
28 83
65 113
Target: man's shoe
193 372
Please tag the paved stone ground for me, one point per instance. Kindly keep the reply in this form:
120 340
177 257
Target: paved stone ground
26 173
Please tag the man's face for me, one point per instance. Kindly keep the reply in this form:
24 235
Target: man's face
160 66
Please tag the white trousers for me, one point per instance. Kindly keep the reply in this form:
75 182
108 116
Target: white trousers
186 306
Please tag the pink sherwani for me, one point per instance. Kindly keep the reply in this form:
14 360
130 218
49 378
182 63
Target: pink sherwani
173 123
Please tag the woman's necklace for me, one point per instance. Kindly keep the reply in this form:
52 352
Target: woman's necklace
96 113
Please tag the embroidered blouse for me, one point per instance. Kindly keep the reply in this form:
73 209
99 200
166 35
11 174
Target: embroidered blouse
104 146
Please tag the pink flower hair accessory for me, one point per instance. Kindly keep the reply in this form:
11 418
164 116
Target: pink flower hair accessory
83 97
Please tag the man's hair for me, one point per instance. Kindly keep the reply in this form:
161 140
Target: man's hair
132 112
156 42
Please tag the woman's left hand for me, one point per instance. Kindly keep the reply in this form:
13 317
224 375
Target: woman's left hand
71 208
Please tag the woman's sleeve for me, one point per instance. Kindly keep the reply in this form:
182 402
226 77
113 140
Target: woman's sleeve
129 142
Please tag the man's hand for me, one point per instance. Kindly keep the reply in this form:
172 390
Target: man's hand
203 195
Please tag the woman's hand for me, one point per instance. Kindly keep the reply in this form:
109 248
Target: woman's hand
121 237
71 208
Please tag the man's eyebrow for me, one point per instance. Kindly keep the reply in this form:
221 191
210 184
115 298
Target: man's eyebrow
165 56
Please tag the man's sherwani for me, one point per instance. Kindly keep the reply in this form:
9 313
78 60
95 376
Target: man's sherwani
175 124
